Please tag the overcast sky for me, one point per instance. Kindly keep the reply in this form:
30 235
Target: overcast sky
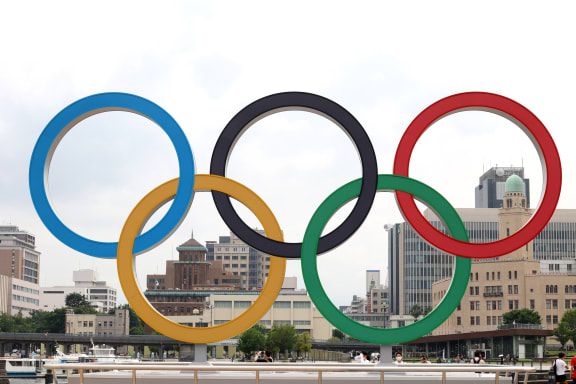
203 63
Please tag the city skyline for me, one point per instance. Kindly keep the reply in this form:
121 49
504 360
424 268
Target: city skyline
193 67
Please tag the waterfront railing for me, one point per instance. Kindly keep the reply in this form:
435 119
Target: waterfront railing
319 369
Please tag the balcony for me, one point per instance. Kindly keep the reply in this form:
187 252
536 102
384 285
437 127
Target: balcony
493 294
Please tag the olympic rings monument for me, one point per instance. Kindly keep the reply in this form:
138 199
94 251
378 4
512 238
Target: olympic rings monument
181 191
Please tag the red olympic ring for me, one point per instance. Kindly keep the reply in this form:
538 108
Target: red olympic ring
536 131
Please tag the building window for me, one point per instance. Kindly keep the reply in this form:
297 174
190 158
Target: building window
477 305
510 304
548 319
282 304
548 303
472 320
532 304
509 289
458 320
500 304
509 275
477 291
498 275
488 320
301 322
242 304
515 275
472 306
489 305
515 289
554 304
555 319
477 320
566 304
487 275
471 291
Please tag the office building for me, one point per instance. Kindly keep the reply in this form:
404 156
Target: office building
241 260
414 265
110 324
372 309
87 283
490 190
513 281
19 271
178 291
295 308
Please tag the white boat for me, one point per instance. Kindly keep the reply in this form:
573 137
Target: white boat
22 367
106 355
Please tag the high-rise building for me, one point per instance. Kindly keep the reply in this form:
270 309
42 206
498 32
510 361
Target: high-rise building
240 259
19 271
490 189
97 292
372 279
414 265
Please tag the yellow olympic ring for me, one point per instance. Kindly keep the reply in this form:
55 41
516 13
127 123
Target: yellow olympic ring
127 274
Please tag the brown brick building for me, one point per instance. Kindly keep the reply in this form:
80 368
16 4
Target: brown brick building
176 292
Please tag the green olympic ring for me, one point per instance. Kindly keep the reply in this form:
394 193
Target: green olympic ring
410 332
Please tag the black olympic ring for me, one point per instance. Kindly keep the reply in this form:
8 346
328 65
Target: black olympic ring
295 101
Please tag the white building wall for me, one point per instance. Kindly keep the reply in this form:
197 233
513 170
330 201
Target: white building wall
297 310
25 297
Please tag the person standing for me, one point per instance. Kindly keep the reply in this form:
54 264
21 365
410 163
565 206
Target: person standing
573 369
560 369
477 359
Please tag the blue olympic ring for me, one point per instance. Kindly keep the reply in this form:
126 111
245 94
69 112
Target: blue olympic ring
63 122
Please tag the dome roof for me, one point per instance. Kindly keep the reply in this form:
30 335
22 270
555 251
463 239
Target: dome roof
514 184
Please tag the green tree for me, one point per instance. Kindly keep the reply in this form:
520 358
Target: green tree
137 331
7 323
250 341
281 338
568 324
416 311
338 334
562 333
303 345
75 299
135 320
522 316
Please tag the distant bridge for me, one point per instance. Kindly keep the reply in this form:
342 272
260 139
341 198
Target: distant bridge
8 339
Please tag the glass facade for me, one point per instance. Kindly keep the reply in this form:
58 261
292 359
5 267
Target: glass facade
423 264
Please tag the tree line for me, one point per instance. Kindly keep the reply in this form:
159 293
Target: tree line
279 339
55 321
